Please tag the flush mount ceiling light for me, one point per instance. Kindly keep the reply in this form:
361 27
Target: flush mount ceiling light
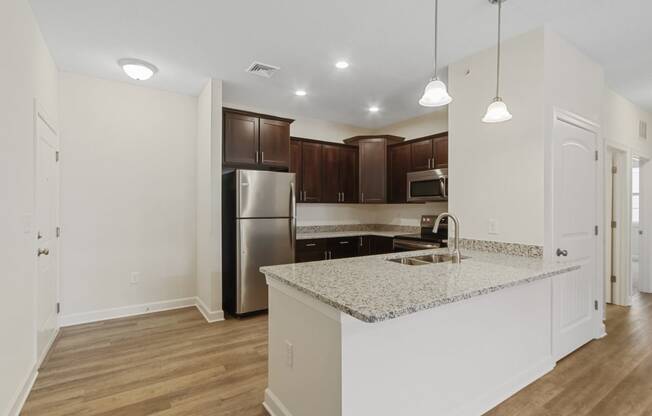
435 93
137 68
300 93
374 109
341 65
497 111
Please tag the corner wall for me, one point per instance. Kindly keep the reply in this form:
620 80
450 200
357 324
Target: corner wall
127 198
27 73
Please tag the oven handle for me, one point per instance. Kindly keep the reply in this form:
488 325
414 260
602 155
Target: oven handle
408 245
442 186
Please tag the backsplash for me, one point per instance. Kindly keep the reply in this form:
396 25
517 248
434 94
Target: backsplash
306 229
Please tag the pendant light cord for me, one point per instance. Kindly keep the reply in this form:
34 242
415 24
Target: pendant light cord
436 33
500 2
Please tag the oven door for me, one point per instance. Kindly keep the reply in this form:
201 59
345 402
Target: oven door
428 185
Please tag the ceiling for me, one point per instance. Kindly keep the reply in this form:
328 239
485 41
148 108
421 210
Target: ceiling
388 44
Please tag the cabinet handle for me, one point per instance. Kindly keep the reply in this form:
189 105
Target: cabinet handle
344 242
342 196
325 255
311 244
256 156
362 197
262 157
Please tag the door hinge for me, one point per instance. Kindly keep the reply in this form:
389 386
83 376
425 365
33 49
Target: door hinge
596 155
613 279
58 232
58 308
596 230
595 305
613 224
56 156
614 169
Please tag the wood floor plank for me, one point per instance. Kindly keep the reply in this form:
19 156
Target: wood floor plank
173 363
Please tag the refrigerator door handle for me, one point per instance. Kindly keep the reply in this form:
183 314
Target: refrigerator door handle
293 213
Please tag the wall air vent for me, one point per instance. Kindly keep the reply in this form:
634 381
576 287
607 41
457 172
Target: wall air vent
262 70
642 129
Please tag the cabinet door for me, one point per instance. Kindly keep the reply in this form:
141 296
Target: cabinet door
240 139
311 172
310 250
382 245
274 143
373 171
341 248
364 245
295 165
421 155
440 147
348 168
331 174
399 158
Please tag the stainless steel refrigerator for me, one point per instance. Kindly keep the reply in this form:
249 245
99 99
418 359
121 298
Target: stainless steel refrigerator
258 229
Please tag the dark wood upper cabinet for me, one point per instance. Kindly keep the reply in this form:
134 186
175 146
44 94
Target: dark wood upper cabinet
274 143
440 150
256 141
240 139
348 177
331 174
430 152
372 163
311 174
399 159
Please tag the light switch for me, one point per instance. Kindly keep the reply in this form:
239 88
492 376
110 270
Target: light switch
493 226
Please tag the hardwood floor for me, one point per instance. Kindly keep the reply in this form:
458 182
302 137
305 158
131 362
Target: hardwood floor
164 364
174 363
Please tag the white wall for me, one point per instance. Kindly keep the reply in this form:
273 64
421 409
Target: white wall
620 118
27 72
127 194
209 194
496 170
425 125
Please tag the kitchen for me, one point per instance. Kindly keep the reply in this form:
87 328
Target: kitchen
403 210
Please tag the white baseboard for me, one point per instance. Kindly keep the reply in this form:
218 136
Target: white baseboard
273 405
113 313
210 316
19 402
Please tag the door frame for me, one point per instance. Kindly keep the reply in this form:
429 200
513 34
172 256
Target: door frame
41 114
645 225
549 197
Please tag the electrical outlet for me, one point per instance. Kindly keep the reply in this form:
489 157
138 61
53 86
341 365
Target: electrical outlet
135 278
493 226
289 354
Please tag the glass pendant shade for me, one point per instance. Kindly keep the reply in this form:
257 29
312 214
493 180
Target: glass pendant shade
435 94
497 112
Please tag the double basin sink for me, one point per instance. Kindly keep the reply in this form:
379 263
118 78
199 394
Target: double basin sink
426 259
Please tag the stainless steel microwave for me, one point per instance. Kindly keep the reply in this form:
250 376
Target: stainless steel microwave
427 185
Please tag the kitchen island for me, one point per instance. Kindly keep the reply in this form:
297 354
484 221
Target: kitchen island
370 336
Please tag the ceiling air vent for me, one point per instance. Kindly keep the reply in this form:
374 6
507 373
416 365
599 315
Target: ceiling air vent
262 70
642 129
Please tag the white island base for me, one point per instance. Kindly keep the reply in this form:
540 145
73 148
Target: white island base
462 358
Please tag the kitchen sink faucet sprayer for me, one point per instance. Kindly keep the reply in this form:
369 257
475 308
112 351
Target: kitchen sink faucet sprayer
456 257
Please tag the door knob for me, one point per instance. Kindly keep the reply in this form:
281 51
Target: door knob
561 253
43 251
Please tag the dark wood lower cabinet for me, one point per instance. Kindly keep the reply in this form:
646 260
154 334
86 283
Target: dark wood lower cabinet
340 248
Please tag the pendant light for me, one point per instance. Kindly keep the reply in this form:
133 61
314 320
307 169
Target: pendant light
435 93
497 111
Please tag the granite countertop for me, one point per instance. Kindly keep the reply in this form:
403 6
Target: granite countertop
336 234
372 289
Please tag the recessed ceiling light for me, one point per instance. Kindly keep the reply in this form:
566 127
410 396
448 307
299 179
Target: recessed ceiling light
137 69
300 93
341 65
373 109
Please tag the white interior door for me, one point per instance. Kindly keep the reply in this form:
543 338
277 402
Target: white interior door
574 237
47 204
645 216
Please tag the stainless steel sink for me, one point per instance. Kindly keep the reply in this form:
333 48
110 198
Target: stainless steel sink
423 260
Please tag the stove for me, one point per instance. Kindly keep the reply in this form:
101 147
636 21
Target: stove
426 239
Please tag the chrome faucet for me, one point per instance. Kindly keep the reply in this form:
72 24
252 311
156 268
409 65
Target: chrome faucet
456 257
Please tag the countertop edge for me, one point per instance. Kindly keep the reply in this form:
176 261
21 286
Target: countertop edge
418 308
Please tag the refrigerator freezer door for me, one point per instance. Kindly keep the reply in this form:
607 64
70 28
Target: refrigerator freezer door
260 242
262 194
